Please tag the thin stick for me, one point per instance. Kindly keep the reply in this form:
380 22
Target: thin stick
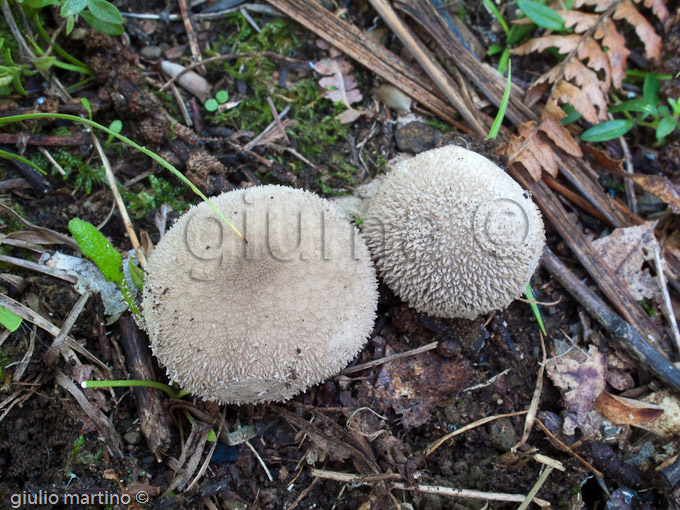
668 305
565 448
355 478
627 181
304 493
32 266
256 141
119 201
466 493
264 466
537 486
425 59
52 161
27 356
52 354
430 449
182 106
277 119
191 35
374 363
535 400
622 333
232 56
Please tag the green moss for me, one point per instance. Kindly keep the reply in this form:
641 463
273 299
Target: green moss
77 171
315 129
162 192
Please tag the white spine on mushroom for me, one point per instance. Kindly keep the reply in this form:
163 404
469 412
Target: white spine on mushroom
452 234
234 322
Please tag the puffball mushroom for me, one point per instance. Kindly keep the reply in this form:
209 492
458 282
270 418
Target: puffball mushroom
237 322
452 234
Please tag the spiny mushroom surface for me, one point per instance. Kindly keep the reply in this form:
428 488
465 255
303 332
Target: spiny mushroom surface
452 234
237 322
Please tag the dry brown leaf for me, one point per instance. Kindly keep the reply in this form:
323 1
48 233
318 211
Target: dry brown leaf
644 30
534 153
339 86
581 377
626 411
560 136
617 51
602 159
415 386
661 187
658 7
624 251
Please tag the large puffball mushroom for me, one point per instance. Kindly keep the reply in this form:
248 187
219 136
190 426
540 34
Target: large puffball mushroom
452 234
237 322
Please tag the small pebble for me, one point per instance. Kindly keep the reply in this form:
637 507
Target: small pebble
416 137
132 437
151 52
394 98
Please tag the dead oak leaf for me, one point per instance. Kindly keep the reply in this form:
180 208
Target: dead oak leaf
624 251
581 377
530 149
339 86
415 386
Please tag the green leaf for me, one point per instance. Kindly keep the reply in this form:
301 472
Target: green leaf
9 319
634 105
70 23
105 11
607 130
44 63
666 126
650 90
675 104
72 7
211 104
518 32
222 96
116 126
496 126
39 4
542 15
88 107
494 49
572 114
96 247
102 26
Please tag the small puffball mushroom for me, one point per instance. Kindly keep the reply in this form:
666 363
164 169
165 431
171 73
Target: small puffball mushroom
237 322
452 234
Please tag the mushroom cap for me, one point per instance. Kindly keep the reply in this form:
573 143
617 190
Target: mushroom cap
236 322
452 234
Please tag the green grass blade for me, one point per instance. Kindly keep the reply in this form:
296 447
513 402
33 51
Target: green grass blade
497 14
11 155
28 116
534 308
496 126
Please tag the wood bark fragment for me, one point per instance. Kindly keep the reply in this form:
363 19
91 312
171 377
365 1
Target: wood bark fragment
153 418
376 58
433 69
